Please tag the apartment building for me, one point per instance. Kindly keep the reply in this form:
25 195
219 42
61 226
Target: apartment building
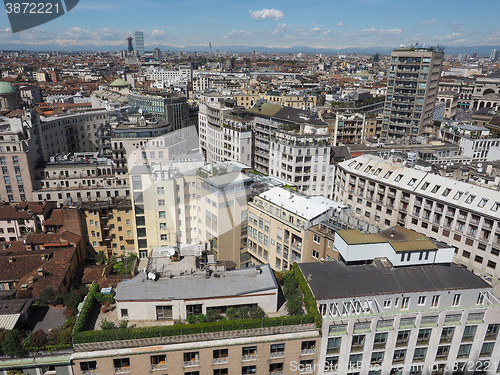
186 201
253 351
293 146
460 214
19 219
81 176
423 319
225 132
108 227
349 128
279 221
412 85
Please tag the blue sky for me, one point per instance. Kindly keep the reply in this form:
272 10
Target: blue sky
313 23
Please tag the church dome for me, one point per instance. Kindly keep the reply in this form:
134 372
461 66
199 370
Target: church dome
6 88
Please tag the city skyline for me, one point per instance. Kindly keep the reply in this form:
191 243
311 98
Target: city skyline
278 24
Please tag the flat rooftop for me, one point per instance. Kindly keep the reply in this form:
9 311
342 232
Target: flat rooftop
400 238
227 283
333 280
306 207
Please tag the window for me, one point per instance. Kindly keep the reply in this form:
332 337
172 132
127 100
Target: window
333 345
221 371
163 226
447 334
456 299
377 358
194 309
122 365
315 254
403 338
421 299
423 336
486 349
308 347
276 368
158 361
405 302
249 353
492 332
355 360
464 350
163 312
442 352
469 333
88 367
247 370
191 359
358 342
435 301
161 214
419 354
277 350
316 238
387 303
399 356
220 356
161 202
124 313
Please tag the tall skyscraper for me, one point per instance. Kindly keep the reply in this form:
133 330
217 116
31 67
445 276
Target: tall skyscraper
494 55
139 42
129 44
412 86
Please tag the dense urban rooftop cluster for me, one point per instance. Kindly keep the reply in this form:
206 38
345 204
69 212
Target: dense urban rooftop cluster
218 213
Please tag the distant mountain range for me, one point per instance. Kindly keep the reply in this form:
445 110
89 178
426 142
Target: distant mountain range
480 50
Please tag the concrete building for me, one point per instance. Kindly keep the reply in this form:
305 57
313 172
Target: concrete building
450 98
349 128
180 296
139 42
380 319
225 132
17 220
171 108
412 85
186 201
108 227
460 214
278 227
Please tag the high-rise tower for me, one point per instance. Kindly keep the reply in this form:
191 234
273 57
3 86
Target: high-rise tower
130 47
412 86
139 42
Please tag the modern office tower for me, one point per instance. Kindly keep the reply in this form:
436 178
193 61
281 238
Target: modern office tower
412 85
130 46
494 55
139 42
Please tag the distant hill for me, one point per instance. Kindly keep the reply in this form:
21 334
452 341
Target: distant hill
480 50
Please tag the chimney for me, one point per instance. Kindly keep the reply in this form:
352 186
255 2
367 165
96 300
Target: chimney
11 259
41 272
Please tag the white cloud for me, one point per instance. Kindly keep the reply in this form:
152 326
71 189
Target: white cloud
266 14
340 24
428 22
237 34
281 27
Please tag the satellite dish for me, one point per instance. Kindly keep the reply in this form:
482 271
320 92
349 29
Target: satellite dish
151 276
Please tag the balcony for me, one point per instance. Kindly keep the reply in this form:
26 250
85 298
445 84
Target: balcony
307 351
249 357
192 363
123 370
277 355
218 361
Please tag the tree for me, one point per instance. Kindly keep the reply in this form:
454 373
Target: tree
123 324
47 294
256 312
11 345
38 338
101 257
105 324
294 306
71 300
213 315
